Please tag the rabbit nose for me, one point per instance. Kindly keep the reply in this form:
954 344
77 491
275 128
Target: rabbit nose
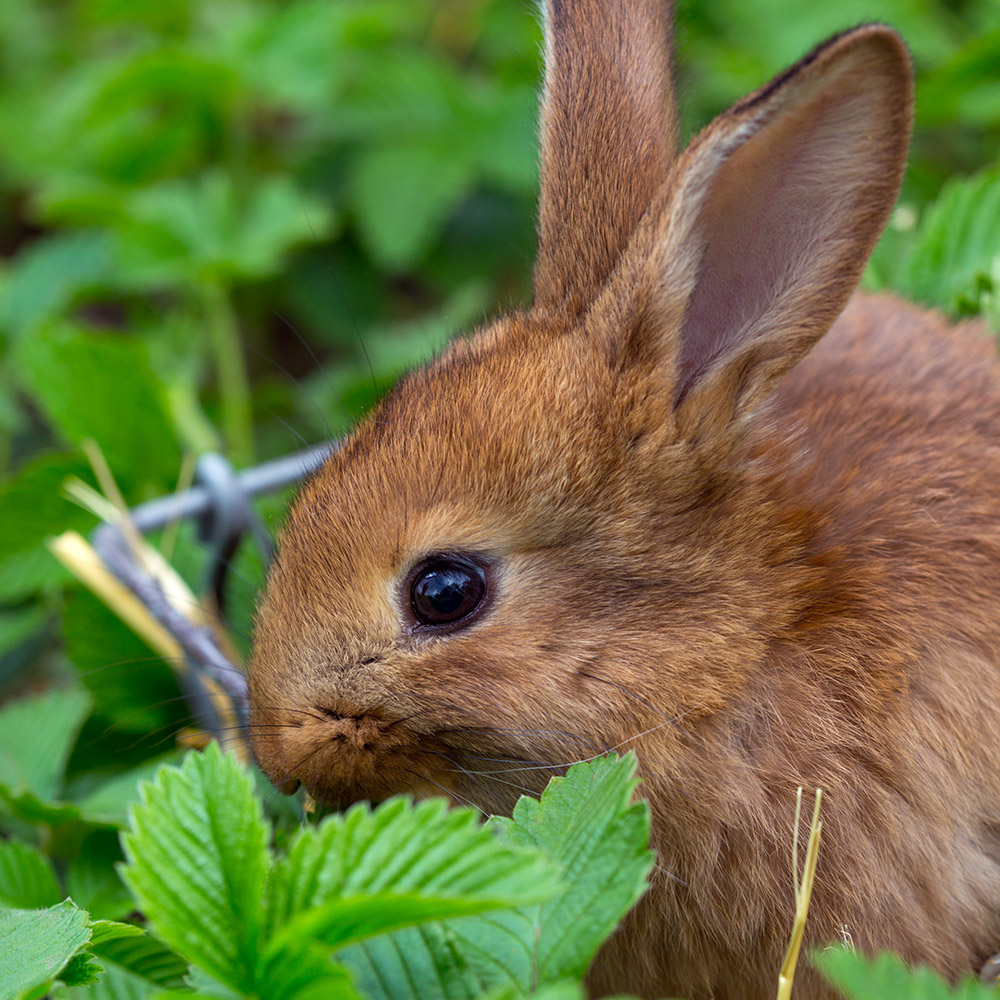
361 732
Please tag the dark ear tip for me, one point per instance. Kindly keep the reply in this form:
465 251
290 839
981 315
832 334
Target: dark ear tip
882 40
885 55
875 51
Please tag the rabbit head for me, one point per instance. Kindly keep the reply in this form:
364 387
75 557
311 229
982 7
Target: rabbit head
583 467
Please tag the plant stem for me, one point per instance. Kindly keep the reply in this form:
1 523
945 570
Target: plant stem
234 388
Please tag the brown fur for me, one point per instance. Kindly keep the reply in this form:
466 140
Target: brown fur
757 563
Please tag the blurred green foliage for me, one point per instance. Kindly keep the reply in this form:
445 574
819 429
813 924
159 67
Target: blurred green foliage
232 223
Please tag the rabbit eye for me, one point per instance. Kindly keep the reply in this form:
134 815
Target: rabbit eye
446 590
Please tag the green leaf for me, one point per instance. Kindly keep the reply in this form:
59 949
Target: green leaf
109 803
134 968
966 88
35 945
134 690
115 984
418 963
47 277
587 823
32 809
80 971
368 872
17 625
27 879
400 847
102 931
861 978
92 881
197 857
204 984
293 54
403 194
102 386
36 737
566 989
343 922
303 969
31 508
145 957
957 246
208 230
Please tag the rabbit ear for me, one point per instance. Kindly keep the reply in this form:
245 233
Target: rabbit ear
608 138
765 227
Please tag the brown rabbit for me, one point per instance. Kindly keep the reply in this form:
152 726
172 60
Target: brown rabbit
656 511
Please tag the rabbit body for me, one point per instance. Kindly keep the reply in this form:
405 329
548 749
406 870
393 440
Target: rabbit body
876 681
717 525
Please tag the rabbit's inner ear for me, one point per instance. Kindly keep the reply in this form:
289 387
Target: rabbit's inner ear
770 219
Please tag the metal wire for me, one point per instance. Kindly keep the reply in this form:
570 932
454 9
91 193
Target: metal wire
219 501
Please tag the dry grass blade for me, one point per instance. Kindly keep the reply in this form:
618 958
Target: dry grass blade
80 558
803 891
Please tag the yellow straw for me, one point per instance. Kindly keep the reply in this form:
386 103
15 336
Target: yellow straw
803 891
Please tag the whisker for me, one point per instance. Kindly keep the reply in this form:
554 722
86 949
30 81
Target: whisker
475 774
298 382
497 760
449 793
526 732
627 690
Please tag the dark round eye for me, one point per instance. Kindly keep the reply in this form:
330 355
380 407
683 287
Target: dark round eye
446 590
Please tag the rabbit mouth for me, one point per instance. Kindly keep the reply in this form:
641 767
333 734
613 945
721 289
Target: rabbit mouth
343 756
343 753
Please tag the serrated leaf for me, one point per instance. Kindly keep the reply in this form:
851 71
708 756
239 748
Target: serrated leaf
402 847
418 963
36 737
133 970
499 949
957 246
144 957
27 879
343 922
81 970
35 945
369 872
204 984
587 823
197 856
303 970
114 984
861 978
